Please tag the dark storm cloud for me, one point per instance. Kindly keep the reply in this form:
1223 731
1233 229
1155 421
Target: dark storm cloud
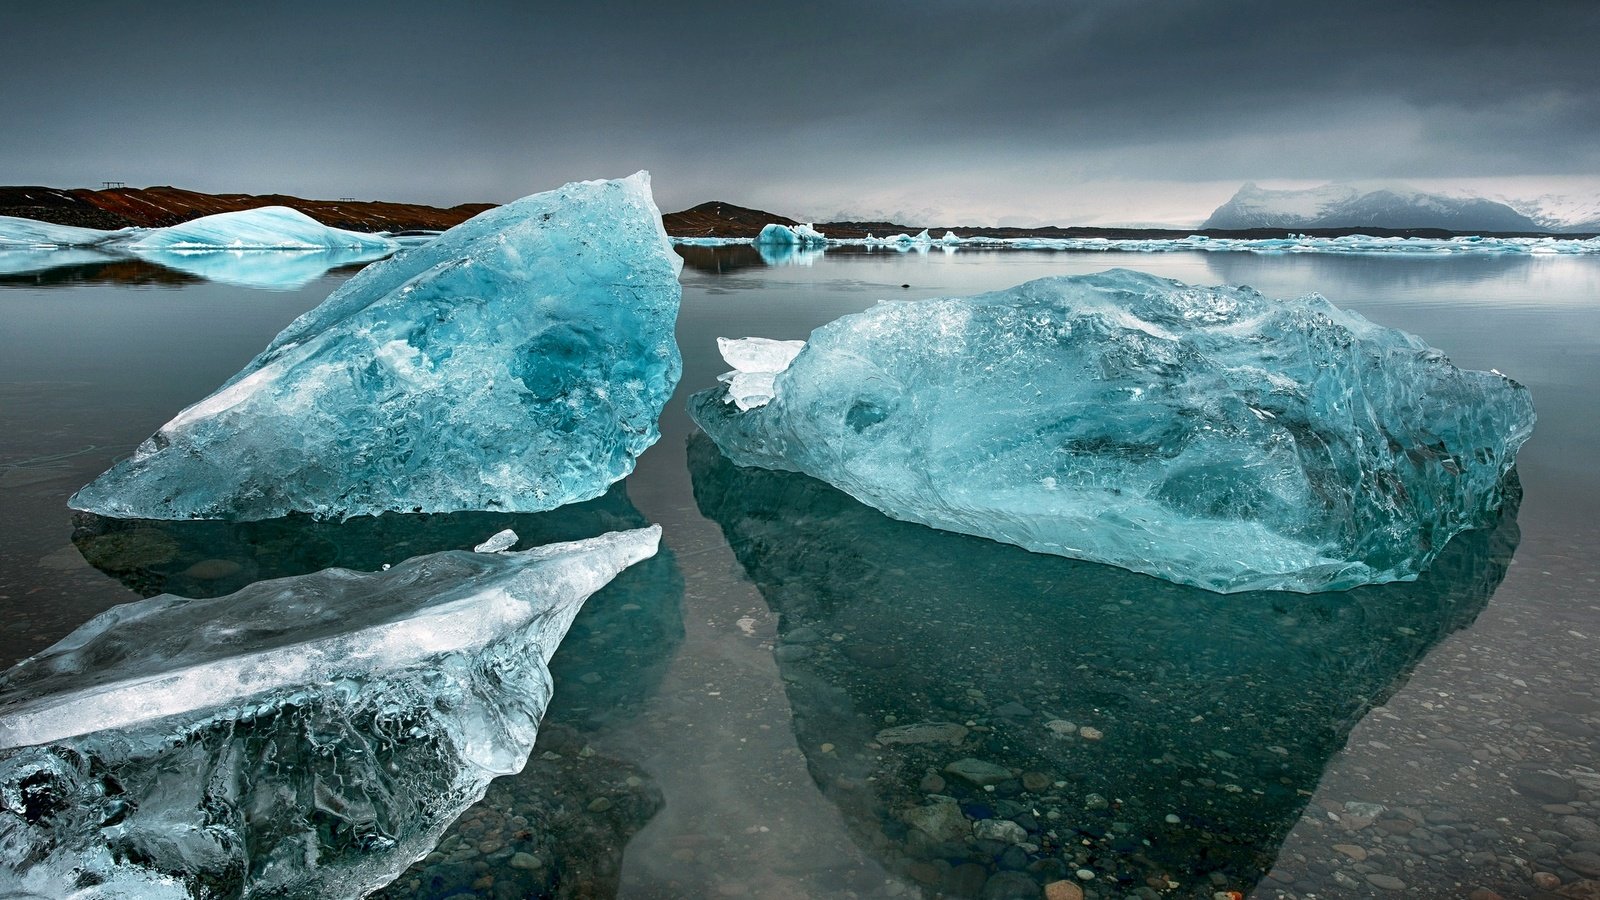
789 104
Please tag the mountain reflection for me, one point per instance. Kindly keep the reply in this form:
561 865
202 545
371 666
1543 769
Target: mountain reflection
1149 732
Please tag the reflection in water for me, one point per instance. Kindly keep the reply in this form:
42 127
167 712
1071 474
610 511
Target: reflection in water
720 260
980 713
274 270
788 254
54 268
1339 275
545 831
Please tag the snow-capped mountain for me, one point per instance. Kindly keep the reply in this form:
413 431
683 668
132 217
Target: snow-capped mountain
1569 213
1358 206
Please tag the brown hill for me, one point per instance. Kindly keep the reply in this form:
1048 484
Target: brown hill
46 204
718 219
156 207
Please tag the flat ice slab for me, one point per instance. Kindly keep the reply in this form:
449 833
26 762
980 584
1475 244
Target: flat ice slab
307 736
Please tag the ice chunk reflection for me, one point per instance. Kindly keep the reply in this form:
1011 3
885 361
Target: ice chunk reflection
1112 700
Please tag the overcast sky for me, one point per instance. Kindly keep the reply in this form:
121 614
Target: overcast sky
933 112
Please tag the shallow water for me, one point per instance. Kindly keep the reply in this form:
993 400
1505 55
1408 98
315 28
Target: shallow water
720 719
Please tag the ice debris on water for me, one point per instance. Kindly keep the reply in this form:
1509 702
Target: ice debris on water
1292 244
307 736
1207 435
500 540
756 362
790 235
517 362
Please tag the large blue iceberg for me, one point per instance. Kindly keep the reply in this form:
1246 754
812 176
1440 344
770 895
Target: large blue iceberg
518 362
1209 436
309 736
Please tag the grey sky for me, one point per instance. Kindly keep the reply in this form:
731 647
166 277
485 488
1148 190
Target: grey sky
933 111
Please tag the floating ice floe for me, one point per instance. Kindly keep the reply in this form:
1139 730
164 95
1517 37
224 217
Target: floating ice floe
1359 244
518 362
309 736
263 228
790 235
30 234
1210 436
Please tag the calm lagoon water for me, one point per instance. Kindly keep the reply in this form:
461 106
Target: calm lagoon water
729 718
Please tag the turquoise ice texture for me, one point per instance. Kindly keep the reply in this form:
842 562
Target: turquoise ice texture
307 736
1207 435
517 363
790 235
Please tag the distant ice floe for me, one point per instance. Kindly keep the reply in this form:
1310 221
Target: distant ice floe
1294 243
265 228
790 236
273 247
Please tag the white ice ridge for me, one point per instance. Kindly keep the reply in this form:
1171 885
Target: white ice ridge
31 234
756 362
1360 244
169 655
265 228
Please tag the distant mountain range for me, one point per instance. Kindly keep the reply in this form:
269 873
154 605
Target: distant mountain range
1397 207
1253 212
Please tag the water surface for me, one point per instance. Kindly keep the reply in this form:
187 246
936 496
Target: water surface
724 721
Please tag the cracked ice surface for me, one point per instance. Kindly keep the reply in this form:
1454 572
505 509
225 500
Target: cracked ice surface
518 362
306 736
1210 436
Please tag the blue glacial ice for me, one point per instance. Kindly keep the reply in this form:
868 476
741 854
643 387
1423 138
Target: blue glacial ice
518 362
1209 436
30 234
1292 244
308 736
790 235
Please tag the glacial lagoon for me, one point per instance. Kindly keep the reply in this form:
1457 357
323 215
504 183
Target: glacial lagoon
801 697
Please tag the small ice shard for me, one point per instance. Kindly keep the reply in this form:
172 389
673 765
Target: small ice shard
950 238
517 362
791 235
756 362
309 736
500 540
263 228
1209 436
